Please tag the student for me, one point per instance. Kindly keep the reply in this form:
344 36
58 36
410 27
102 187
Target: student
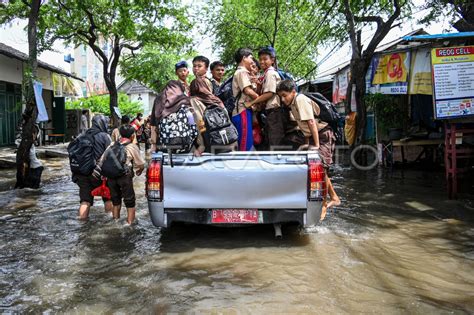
122 187
137 124
217 72
318 135
87 183
202 96
244 94
274 128
182 72
116 133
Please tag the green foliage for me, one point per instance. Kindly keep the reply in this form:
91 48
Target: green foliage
152 66
294 28
387 111
100 104
459 12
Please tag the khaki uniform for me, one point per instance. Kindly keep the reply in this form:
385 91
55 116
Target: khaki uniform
304 109
270 82
239 83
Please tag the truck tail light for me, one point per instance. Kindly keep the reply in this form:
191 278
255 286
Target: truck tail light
154 181
316 180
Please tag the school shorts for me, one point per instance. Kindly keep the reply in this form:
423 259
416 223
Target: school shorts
275 128
122 188
86 185
327 145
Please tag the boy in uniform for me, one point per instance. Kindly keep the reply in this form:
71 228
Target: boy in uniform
181 69
122 187
318 135
217 71
244 93
274 127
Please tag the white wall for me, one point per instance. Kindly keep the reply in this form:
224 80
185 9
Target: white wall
145 102
11 70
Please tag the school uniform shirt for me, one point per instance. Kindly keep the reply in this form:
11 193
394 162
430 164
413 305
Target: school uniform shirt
215 85
133 155
240 81
304 109
270 81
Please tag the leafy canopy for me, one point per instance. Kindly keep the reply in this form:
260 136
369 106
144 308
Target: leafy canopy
100 104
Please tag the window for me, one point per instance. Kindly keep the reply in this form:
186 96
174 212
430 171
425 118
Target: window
84 72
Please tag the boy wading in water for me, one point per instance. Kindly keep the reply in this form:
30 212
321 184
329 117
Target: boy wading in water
318 134
122 187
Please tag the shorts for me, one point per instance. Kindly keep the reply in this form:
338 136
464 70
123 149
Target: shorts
86 185
327 145
122 187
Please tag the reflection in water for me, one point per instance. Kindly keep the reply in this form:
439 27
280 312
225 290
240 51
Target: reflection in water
396 245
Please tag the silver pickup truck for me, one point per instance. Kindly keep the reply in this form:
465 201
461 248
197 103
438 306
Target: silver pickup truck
236 188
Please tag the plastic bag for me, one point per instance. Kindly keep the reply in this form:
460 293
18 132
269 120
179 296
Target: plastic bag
102 190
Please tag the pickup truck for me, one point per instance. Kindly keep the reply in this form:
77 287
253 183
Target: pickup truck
236 188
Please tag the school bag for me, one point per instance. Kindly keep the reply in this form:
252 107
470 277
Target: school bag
224 92
328 113
81 154
219 128
178 130
286 76
114 161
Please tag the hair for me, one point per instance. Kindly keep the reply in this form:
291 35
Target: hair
202 59
85 111
126 131
241 53
286 86
216 64
139 115
125 119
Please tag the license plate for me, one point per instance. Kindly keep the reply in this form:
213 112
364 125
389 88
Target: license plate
234 216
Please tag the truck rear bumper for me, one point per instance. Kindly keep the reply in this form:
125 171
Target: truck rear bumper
162 217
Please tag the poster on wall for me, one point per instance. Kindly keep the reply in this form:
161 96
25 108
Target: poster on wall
388 74
453 81
420 76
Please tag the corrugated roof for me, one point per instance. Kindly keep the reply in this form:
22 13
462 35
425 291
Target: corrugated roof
439 36
134 87
16 54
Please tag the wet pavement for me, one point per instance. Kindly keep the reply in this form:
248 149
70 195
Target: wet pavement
395 246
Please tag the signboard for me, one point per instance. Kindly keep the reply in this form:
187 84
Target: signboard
453 81
388 74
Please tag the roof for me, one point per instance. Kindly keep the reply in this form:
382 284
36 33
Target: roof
134 87
439 36
16 54
394 43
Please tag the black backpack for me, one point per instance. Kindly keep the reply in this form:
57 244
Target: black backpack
328 113
178 130
81 154
114 161
219 128
224 92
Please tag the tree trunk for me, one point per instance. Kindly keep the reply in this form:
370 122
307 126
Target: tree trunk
31 111
113 99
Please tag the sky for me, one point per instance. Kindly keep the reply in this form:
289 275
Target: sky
14 35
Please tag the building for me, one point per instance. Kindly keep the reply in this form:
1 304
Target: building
89 68
12 63
137 92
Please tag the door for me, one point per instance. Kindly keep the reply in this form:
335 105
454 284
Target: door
10 111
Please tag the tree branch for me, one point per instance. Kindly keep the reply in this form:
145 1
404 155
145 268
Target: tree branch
352 31
275 30
254 28
371 18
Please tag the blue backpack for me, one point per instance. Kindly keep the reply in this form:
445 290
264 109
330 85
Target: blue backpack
286 76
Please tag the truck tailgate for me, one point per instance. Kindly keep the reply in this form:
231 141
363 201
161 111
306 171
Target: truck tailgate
243 180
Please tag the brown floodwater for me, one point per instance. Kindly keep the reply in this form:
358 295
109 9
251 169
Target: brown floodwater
396 245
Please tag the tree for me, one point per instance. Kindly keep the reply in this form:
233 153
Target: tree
100 104
110 28
461 13
153 66
355 13
31 11
296 29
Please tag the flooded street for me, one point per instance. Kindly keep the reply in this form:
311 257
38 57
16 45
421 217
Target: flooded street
395 246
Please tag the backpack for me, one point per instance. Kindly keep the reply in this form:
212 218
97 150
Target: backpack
328 113
225 93
219 128
178 130
113 164
286 76
81 154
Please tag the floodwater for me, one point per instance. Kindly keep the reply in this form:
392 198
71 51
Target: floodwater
396 245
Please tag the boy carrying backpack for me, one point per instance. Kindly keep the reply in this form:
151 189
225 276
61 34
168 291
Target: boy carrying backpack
84 152
117 165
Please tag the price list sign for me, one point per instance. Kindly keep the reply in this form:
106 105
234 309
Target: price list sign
453 81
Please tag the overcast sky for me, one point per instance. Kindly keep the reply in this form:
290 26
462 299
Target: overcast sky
15 36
